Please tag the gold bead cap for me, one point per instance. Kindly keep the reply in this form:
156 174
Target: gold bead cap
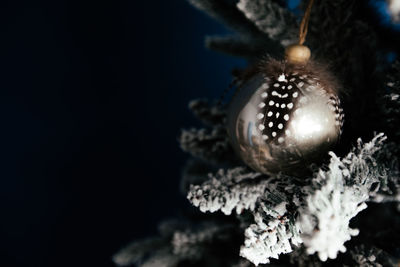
297 54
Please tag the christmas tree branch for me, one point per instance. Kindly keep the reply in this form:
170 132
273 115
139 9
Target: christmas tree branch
277 22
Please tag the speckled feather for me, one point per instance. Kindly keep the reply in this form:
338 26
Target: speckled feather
285 86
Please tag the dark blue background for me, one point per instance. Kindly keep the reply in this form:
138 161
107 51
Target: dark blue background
93 96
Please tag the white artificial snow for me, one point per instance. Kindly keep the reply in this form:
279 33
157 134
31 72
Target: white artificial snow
324 220
269 239
225 192
271 19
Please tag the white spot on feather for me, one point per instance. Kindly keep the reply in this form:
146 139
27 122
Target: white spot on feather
286 117
282 78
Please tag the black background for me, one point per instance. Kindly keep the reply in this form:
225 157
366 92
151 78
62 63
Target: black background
93 96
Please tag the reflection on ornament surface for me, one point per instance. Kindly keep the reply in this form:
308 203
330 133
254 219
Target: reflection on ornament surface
282 122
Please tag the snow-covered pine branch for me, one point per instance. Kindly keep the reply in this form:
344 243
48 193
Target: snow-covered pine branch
277 22
178 243
234 189
210 145
335 196
272 234
345 187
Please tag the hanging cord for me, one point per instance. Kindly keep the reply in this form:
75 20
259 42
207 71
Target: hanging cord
302 38
304 23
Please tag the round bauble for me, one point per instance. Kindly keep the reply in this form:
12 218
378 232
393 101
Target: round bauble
285 117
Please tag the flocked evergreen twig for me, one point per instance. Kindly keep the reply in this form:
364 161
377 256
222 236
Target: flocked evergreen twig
394 10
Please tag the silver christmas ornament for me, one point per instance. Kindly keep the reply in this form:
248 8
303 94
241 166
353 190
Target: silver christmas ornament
284 118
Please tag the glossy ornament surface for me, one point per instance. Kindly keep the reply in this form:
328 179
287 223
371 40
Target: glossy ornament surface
282 121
